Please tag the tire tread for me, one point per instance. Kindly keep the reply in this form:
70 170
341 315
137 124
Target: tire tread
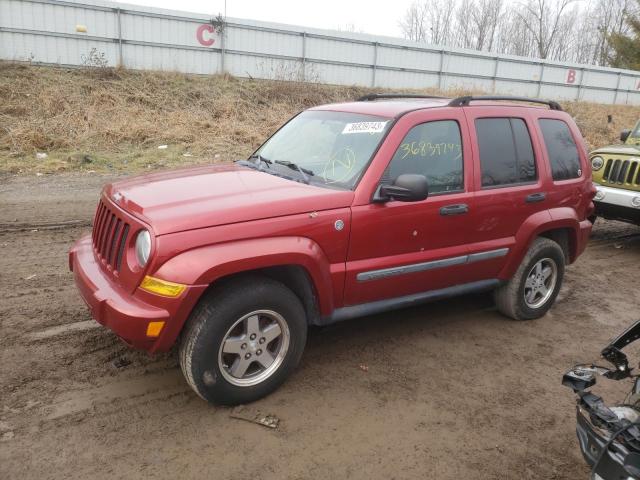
210 309
507 297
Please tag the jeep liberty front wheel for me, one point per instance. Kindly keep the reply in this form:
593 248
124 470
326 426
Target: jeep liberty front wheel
243 340
531 291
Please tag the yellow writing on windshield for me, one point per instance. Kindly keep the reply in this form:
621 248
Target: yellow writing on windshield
428 149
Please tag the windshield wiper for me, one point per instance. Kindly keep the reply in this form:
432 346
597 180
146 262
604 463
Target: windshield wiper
294 166
259 158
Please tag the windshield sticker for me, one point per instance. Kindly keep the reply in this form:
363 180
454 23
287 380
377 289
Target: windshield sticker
364 127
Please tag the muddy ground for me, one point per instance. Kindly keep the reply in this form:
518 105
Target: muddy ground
452 390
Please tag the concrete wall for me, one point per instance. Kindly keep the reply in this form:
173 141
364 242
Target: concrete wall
51 32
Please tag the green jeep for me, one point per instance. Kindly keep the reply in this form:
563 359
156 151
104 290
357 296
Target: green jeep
616 174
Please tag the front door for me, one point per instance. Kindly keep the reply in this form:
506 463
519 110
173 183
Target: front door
400 248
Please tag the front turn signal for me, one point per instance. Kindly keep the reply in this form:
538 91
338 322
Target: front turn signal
154 329
162 287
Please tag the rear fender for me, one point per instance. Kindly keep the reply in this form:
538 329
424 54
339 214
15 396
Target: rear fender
536 225
206 265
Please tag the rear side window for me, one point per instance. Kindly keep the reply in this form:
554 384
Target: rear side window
506 153
432 149
562 150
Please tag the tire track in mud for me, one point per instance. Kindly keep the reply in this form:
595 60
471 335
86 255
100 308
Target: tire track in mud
61 358
64 329
606 232
21 227
153 387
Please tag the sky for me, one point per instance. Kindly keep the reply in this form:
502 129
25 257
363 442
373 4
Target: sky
369 16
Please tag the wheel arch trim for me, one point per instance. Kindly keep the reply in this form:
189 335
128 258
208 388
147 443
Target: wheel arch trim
209 264
542 224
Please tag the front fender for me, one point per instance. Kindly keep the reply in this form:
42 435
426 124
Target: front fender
539 223
205 265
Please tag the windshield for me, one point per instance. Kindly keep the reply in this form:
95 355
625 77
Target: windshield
333 148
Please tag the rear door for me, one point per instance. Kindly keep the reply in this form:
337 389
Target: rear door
510 182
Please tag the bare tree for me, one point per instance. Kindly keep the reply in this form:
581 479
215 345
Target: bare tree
413 24
463 34
485 15
513 37
544 19
440 15
428 21
565 30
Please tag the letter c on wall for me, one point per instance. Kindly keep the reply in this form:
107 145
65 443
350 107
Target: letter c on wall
200 35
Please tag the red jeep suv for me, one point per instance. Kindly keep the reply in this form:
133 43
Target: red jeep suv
347 210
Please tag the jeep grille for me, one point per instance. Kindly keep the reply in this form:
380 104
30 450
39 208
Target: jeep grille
622 171
109 236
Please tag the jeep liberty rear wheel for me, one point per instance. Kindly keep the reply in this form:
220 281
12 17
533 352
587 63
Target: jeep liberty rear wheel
531 291
243 340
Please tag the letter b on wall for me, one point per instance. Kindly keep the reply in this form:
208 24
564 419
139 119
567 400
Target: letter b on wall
571 76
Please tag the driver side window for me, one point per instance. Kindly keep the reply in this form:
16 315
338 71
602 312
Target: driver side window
432 149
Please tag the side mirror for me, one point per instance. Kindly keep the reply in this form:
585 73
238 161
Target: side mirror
624 134
409 187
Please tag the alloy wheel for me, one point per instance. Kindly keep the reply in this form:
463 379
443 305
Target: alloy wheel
254 348
540 283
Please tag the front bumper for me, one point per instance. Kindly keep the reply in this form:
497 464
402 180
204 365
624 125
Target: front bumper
591 443
127 314
616 204
605 466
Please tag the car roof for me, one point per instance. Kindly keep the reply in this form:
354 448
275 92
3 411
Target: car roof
391 108
385 108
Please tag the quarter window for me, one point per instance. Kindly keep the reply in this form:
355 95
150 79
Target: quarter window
432 149
506 153
561 148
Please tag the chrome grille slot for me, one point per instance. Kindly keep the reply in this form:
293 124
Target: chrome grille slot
614 171
110 233
622 172
607 170
631 178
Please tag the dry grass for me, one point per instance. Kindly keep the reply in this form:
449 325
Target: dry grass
104 119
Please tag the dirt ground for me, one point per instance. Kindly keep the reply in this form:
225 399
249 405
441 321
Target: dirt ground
452 389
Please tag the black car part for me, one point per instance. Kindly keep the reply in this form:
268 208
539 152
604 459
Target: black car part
609 437
393 96
466 100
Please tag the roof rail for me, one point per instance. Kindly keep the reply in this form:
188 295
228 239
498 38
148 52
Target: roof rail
380 96
464 101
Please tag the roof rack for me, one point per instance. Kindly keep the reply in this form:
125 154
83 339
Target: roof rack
464 101
380 96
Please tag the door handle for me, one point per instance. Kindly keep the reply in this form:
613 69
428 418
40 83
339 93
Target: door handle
535 197
458 209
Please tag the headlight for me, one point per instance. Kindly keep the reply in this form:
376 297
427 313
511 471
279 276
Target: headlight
143 247
597 163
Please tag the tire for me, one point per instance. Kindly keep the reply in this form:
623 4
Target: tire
516 299
214 373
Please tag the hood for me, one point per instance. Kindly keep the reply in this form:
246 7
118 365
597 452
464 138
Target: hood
620 149
217 195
